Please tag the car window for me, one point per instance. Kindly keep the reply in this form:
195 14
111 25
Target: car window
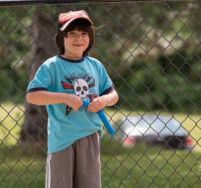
152 125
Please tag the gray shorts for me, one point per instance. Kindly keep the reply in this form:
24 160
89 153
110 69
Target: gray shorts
77 166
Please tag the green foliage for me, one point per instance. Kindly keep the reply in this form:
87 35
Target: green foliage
15 39
167 78
172 82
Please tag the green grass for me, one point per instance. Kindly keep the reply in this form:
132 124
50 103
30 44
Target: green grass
11 119
25 172
135 167
141 166
192 123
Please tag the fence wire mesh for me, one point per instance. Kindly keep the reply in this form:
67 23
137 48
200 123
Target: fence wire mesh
152 52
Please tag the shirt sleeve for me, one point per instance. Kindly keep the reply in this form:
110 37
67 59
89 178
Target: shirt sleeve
41 81
106 84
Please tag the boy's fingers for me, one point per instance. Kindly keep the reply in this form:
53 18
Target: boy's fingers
75 109
80 103
77 104
95 106
91 107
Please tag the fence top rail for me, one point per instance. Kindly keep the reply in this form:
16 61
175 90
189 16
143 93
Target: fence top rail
38 2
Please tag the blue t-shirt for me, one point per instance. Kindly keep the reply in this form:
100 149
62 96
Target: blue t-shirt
86 78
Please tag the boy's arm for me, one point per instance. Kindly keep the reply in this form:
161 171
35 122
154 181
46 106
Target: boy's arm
46 97
101 102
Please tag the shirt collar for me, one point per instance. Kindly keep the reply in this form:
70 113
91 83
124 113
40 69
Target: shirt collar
72 60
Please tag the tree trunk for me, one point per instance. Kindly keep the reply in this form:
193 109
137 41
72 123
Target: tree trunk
43 46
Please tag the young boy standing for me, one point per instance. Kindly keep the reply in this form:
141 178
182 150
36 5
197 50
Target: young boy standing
61 83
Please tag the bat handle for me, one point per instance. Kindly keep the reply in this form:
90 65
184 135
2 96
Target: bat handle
103 118
85 103
106 123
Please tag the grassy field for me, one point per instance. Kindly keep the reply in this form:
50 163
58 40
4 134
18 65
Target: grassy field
149 167
121 167
11 119
140 166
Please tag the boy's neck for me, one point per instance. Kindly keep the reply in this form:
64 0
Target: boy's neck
71 57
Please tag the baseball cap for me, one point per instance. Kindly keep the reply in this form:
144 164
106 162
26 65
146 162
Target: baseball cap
66 18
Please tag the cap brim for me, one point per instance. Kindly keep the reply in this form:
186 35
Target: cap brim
71 20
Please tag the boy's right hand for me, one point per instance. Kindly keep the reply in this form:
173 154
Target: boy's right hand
73 101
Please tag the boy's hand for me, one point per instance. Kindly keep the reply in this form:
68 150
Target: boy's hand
97 104
73 101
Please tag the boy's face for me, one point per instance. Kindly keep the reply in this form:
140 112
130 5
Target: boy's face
76 42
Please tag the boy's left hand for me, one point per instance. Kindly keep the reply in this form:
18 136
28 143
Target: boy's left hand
97 104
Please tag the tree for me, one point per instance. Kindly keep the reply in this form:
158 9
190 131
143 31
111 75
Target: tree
42 32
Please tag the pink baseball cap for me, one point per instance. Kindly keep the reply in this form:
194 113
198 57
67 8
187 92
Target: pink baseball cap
66 18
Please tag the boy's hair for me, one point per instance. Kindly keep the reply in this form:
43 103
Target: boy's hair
80 25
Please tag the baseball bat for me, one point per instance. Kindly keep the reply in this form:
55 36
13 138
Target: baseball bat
103 118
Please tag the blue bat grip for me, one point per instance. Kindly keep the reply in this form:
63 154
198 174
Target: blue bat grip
106 123
103 118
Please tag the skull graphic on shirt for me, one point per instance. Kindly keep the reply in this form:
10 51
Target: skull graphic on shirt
81 88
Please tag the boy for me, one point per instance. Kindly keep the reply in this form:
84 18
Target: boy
61 83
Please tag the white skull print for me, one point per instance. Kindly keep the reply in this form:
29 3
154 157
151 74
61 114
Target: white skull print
81 88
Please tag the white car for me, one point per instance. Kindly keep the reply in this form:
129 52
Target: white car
155 130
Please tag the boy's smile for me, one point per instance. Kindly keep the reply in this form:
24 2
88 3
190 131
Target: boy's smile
75 44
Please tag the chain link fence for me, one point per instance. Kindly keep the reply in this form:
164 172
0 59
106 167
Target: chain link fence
152 52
